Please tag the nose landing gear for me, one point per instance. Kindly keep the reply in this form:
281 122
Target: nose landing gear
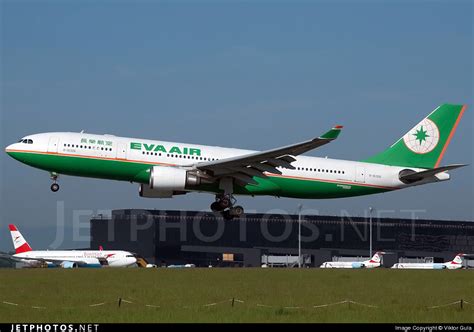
54 186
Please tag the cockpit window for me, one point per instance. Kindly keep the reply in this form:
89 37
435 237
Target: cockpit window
21 141
30 141
26 141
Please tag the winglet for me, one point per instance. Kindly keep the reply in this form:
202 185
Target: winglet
333 133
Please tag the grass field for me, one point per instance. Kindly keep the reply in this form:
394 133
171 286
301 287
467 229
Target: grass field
268 295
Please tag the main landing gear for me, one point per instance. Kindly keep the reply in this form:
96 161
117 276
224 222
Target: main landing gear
55 185
225 204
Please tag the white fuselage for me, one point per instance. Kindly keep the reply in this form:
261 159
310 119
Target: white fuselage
428 266
349 265
346 175
112 258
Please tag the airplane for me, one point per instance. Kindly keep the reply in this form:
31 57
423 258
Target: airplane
455 264
67 258
368 264
165 169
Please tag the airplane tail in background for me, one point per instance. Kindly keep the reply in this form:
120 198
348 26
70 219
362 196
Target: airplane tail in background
424 145
457 259
377 257
19 241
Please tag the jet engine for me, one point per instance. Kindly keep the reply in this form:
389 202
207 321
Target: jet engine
357 265
69 265
166 181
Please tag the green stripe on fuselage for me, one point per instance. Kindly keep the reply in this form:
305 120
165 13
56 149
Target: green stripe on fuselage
86 167
139 172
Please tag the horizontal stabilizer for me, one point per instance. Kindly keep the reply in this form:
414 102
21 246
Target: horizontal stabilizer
411 176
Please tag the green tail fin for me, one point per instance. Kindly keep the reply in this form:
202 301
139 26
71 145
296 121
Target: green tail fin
425 144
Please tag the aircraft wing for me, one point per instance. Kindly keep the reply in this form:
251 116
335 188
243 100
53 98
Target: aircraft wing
54 261
244 168
8 256
418 176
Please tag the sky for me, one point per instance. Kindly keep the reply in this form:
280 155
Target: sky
244 74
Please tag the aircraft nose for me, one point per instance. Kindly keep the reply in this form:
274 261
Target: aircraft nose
9 149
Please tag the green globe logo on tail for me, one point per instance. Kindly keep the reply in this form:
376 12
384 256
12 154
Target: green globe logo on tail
423 138
424 145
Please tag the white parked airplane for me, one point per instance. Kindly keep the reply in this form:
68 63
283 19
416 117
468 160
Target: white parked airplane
368 264
163 169
68 258
455 264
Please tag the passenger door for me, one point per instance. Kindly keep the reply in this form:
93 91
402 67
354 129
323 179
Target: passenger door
360 174
53 144
121 151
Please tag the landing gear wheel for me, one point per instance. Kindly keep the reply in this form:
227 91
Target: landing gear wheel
216 207
237 211
224 203
227 215
54 187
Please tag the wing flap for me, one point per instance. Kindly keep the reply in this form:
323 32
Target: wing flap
244 178
265 168
244 168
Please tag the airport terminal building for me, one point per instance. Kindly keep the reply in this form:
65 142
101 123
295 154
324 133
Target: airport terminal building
206 239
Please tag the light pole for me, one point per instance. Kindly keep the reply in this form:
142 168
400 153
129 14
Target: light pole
300 206
370 231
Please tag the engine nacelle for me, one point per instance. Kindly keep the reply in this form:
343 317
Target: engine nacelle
145 191
358 265
172 178
69 265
